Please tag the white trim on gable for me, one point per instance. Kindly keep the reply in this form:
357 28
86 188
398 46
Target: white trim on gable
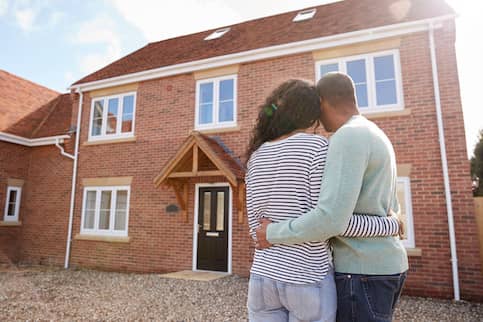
50 140
269 52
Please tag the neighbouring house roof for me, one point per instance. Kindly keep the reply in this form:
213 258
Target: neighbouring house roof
330 19
30 110
20 97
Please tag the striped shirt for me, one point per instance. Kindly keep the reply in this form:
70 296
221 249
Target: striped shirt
283 179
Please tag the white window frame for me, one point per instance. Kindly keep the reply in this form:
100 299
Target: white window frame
102 232
370 79
409 242
13 218
216 106
118 134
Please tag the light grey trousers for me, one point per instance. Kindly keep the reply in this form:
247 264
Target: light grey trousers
273 301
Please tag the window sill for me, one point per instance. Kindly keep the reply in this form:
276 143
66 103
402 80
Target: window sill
414 252
110 141
389 113
11 223
108 239
218 129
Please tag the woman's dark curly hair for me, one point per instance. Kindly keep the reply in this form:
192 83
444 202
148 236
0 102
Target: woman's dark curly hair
293 105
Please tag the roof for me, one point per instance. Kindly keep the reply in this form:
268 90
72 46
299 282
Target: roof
50 119
215 152
330 19
30 110
20 97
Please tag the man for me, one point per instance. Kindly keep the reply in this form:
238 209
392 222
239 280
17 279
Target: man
360 177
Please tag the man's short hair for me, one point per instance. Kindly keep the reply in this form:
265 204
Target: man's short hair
336 88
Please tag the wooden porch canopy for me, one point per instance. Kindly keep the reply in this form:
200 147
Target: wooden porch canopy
202 156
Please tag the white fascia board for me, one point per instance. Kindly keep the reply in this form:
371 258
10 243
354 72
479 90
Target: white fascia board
51 140
269 52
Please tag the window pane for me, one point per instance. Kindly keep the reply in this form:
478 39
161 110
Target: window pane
386 92
91 200
206 93
226 90
384 67
13 196
120 222
89 219
226 111
105 213
357 70
324 69
121 207
206 113
97 118
207 211
121 200
401 196
220 211
361 95
11 209
112 110
127 113
104 219
128 104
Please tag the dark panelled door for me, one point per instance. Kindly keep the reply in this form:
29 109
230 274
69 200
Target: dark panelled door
213 229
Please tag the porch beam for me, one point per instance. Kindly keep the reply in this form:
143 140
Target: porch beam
196 174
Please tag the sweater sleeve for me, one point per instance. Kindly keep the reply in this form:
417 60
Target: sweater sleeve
347 159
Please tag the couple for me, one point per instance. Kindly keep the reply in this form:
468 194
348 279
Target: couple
298 223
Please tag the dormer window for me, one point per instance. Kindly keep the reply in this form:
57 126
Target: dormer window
305 15
217 33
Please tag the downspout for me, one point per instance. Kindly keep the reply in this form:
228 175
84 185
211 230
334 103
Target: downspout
65 154
74 177
442 145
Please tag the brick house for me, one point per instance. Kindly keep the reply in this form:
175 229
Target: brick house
159 135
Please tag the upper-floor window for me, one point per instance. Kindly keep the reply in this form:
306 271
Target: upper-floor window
105 211
12 204
112 116
403 190
216 102
376 76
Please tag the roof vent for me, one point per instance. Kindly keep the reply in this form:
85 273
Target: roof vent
304 15
217 33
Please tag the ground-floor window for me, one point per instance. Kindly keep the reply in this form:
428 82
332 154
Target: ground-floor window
405 202
105 211
12 204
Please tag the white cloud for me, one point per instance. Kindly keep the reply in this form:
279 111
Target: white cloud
25 18
3 7
99 31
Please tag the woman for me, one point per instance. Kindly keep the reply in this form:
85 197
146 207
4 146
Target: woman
285 169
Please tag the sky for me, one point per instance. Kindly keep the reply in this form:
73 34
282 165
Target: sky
56 42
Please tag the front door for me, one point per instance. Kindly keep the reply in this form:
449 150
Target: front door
212 253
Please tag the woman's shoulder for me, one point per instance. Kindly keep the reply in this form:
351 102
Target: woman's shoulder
314 138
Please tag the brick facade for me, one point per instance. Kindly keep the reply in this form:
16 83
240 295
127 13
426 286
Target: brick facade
162 242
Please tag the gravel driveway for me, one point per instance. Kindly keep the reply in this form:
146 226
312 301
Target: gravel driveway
41 293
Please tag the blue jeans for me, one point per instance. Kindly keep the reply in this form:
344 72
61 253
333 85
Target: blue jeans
367 297
273 301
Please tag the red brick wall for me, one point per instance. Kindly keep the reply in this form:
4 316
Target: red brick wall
14 163
46 203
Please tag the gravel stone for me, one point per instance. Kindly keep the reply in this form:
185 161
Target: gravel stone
54 294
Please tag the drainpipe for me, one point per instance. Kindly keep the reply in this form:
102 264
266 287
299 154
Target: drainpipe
74 177
57 144
442 145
